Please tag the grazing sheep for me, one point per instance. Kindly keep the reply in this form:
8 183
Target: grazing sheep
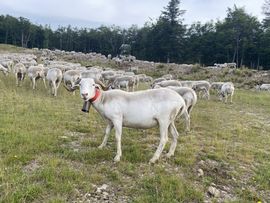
91 74
148 79
157 80
54 76
20 72
4 70
190 98
70 77
107 74
264 87
141 109
167 83
226 90
188 94
168 76
36 72
202 86
124 82
216 85
187 83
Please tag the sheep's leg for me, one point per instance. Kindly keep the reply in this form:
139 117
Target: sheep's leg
34 83
163 140
175 135
54 88
231 97
17 80
107 134
44 81
72 85
208 94
118 134
226 97
187 119
58 84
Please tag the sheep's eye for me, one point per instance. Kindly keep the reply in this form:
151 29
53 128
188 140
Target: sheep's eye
93 84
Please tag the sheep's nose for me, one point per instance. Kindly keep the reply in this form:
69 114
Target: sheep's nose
84 95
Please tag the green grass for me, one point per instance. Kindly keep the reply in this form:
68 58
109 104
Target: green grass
48 150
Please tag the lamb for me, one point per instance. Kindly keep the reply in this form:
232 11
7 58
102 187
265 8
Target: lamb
226 90
20 72
202 86
167 83
54 76
4 70
141 109
36 72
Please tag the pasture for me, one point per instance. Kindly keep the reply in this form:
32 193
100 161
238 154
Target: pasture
48 152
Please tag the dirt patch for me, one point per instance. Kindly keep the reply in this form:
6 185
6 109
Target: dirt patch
31 167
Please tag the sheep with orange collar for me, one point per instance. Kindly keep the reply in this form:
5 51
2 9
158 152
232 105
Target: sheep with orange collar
141 109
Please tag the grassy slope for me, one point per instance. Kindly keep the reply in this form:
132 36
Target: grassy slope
48 150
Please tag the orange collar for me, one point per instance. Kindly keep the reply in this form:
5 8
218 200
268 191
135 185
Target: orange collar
97 94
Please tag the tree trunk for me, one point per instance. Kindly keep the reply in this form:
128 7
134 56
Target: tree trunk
258 62
6 37
22 36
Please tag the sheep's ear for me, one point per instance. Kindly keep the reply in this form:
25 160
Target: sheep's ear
77 82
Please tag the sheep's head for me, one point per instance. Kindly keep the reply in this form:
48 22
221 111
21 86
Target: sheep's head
87 88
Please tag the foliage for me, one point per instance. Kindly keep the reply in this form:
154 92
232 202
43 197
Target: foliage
239 38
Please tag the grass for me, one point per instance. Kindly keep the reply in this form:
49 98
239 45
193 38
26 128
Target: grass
48 151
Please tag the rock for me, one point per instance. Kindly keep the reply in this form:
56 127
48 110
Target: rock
214 192
200 172
104 187
202 162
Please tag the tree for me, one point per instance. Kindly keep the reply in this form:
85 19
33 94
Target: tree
266 12
168 34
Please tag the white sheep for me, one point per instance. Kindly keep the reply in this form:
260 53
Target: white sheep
70 77
226 90
20 72
141 109
124 82
54 76
4 70
264 87
202 86
36 72
166 83
188 94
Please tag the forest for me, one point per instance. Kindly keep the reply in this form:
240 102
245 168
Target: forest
239 37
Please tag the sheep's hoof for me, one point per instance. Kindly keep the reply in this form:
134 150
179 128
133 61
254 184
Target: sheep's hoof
152 161
169 155
116 158
101 146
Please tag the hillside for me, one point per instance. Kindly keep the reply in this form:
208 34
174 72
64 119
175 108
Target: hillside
48 147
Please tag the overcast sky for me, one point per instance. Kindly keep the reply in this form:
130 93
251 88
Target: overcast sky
92 13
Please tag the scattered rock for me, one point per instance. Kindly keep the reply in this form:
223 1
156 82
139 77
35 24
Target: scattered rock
200 172
214 192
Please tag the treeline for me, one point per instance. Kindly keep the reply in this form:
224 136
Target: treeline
239 38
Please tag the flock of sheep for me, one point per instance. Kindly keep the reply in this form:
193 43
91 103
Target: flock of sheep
161 104
164 101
